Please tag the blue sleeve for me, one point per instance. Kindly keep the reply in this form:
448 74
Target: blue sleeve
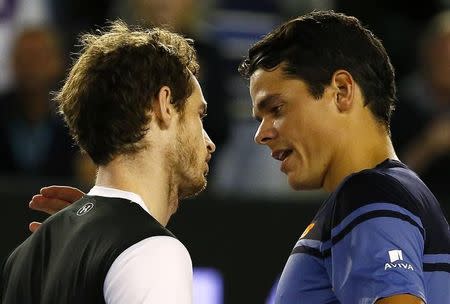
377 252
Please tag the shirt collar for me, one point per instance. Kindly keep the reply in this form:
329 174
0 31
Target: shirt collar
112 192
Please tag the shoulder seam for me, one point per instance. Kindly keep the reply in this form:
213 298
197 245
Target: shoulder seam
381 174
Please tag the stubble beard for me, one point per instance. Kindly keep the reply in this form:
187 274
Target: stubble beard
190 176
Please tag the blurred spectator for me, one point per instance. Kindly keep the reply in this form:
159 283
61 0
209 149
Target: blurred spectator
188 17
421 126
15 15
34 140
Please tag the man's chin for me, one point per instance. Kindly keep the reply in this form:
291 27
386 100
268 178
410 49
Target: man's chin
294 183
192 190
299 185
303 186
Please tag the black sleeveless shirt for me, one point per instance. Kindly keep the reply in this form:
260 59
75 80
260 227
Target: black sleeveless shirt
67 259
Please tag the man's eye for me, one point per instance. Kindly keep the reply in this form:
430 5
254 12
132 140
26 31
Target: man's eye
276 110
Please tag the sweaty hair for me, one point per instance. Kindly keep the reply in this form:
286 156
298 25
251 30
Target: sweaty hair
314 46
109 91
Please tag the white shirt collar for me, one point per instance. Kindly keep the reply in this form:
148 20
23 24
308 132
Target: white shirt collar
112 192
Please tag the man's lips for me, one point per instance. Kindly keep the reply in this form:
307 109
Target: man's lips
208 158
281 154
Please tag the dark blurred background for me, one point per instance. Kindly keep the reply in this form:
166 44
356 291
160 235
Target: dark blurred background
241 230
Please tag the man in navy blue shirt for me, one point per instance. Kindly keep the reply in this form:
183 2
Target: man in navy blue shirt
323 91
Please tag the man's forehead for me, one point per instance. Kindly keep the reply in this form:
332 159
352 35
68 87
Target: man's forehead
255 78
198 90
261 86
264 82
195 85
194 79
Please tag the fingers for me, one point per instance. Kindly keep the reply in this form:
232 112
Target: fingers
46 204
65 193
33 226
52 199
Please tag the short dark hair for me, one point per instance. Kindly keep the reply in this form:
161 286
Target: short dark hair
109 91
312 47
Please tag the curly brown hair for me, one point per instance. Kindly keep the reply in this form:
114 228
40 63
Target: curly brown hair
109 91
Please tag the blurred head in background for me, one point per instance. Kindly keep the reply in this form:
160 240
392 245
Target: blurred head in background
37 59
34 140
435 57
177 15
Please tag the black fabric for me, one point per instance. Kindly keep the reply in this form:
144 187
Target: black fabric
373 214
67 259
392 182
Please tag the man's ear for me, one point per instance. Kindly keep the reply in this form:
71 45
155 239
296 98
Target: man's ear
344 85
162 107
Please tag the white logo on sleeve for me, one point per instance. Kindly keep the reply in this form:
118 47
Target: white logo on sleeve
395 255
396 261
85 209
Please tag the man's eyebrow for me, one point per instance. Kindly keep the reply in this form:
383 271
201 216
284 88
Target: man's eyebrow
265 103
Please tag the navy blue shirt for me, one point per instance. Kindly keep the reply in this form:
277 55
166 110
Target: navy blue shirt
381 233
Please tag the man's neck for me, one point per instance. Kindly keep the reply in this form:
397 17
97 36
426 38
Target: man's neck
151 181
358 154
